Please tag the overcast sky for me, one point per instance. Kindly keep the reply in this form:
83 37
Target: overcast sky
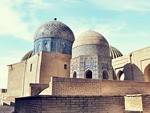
124 23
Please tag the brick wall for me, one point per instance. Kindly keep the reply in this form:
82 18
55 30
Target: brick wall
146 103
76 104
71 86
70 104
6 109
88 87
28 105
37 88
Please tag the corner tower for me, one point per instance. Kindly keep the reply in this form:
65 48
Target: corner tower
54 41
91 57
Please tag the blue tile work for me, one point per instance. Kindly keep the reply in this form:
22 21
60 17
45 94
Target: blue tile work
92 57
97 64
56 45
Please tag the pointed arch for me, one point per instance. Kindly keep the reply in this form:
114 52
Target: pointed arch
74 74
88 74
121 75
147 73
105 75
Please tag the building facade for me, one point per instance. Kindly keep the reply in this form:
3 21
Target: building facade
134 66
50 56
91 68
91 57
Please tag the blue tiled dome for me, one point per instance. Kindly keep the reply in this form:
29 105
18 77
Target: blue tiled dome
54 29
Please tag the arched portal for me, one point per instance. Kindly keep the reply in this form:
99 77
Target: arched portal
74 74
147 73
88 74
121 75
105 75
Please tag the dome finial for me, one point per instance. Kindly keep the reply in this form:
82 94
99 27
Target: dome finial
55 19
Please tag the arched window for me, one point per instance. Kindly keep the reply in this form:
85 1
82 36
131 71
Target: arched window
74 74
105 75
88 74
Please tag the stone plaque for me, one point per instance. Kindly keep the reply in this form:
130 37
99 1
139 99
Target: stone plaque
133 103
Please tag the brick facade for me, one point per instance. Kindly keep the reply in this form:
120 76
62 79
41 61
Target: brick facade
77 104
70 104
91 87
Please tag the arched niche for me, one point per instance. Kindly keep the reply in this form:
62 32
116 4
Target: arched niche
105 75
74 74
147 73
88 74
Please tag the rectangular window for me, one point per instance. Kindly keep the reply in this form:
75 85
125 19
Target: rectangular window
3 90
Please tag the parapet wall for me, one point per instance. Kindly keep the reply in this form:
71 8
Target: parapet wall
90 87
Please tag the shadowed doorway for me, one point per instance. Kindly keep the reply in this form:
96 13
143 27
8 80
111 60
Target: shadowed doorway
75 74
88 74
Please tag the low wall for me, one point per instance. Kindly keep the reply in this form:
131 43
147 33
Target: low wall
90 87
77 104
70 104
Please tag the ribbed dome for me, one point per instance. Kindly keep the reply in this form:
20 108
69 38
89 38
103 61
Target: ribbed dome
115 53
27 55
90 37
54 29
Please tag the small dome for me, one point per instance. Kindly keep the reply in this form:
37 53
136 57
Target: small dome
90 43
115 53
27 55
54 29
90 37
